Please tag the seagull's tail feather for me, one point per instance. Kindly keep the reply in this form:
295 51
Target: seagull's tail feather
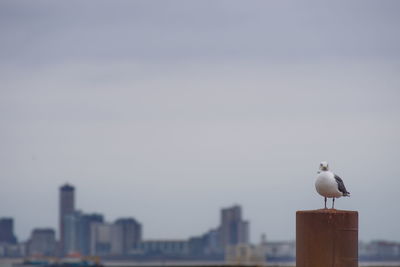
347 194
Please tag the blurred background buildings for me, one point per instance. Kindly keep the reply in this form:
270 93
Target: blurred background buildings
89 234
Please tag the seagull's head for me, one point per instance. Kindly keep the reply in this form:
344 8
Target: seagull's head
323 166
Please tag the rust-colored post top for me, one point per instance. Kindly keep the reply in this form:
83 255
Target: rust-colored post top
326 237
329 211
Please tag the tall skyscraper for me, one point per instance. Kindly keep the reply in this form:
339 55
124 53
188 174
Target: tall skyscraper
67 206
7 231
233 229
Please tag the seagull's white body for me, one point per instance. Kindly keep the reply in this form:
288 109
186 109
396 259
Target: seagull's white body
327 186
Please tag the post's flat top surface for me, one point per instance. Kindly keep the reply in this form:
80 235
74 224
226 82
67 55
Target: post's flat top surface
328 211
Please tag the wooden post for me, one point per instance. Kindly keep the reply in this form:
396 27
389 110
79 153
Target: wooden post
326 238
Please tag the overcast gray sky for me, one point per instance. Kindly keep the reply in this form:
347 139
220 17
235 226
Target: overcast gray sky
168 111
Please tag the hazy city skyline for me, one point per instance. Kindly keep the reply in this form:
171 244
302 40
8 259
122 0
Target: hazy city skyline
168 111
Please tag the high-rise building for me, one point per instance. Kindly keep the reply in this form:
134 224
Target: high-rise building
105 239
67 206
233 229
7 231
42 242
244 232
71 232
85 223
212 239
77 231
120 238
131 231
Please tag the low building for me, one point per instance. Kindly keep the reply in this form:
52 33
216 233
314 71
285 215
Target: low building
12 250
165 247
281 250
379 250
245 254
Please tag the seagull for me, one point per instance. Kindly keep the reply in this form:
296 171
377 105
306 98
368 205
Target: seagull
329 185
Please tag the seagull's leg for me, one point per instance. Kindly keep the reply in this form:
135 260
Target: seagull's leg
333 203
325 202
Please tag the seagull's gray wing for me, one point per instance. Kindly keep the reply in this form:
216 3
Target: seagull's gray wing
341 186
